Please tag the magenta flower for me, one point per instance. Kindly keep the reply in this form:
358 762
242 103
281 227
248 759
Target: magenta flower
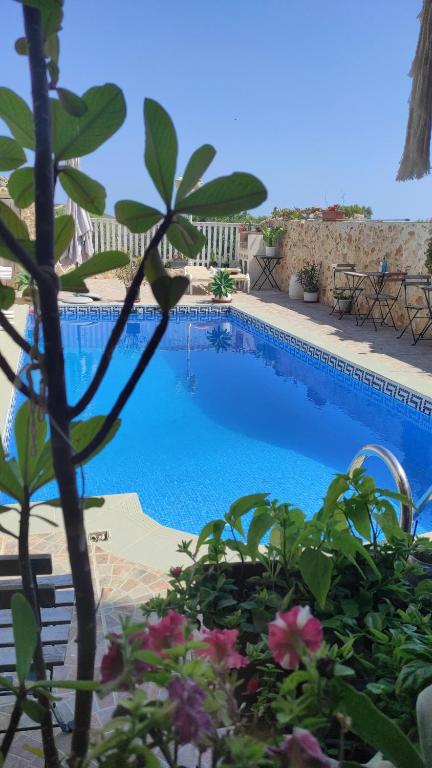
301 750
112 662
191 722
167 633
176 571
221 648
291 632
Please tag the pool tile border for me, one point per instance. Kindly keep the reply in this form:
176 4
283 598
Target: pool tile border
375 381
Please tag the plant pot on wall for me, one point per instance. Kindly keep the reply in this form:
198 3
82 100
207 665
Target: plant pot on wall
270 251
222 299
295 290
310 296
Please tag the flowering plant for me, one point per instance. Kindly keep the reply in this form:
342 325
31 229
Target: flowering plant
193 717
271 235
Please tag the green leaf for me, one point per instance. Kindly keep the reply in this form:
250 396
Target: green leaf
7 296
74 685
25 634
316 569
33 710
18 117
78 136
160 148
21 186
358 512
30 435
212 528
337 487
64 230
10 480
74 105
136 216
100 262
153 267
169 290
89 503
13 222
196 167
376 729
245 503
82 432
225 195
87 192
260 524
185 237
11 154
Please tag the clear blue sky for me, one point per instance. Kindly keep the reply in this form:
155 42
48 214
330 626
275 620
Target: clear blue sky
310 95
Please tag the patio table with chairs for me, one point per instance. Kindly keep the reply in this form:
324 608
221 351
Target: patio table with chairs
371 286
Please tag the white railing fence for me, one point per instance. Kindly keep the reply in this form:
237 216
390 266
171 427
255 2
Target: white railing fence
222 241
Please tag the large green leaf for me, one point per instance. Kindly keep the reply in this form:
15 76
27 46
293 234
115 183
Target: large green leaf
169 290
13 222
30 435
78 136
89 503
196 167
316 569
21 186
18 117
82 432
25 634
260 525
87 192
226 195
245 503
7 296
10 480
136 216
153 267
12 154
73 104
424 722
64 229
100 262
375 728
160 148
185 237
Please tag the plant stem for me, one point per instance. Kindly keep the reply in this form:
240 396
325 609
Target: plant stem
54 372
50 750
11 729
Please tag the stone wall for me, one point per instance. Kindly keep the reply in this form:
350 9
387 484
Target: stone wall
26 214
362 243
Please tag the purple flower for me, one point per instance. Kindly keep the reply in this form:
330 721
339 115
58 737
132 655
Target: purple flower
191 722
301 750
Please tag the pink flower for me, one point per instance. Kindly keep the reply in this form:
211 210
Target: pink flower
176 571
112 662
252 686
291 632
221 650
301 750
167 633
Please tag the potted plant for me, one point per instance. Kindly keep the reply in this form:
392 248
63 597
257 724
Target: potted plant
222 286
309 279
23 284
127 273
178 261
271 237
344 299
333 213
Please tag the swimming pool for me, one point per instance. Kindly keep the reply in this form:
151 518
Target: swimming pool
227 409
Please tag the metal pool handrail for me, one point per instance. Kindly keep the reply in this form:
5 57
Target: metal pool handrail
399 476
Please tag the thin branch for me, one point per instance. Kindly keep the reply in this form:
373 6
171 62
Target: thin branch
120 323
19 252
12 728
125 393
13 333
16 381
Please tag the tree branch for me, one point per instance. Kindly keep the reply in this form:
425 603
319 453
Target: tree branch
16 381
120 323
125 393
19 252
13 333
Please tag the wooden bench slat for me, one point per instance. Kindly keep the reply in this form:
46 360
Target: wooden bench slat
51 635
57 615
60 581
9 565
54 656
8 587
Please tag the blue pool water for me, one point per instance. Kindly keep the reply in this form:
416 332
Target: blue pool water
224 410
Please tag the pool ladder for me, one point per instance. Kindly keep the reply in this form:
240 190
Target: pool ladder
400 478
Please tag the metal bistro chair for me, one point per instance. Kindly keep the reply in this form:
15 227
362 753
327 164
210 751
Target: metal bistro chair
343 292
383 299
415 311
